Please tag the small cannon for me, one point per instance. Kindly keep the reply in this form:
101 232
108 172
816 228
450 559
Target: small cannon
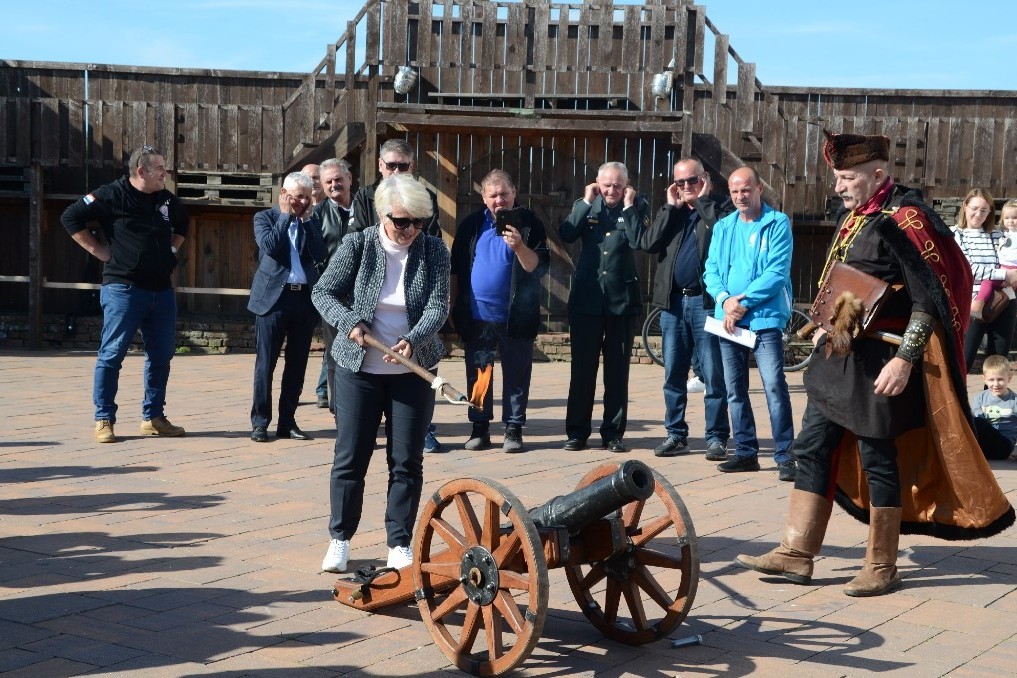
481 561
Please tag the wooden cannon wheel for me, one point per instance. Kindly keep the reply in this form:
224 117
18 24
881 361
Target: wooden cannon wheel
657 575
491 621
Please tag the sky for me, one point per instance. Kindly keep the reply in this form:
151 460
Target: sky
895 44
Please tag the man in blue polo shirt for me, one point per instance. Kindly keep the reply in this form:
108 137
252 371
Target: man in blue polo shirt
496 304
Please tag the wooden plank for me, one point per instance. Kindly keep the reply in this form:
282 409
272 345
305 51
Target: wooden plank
1008 173
515 48
981 151
137 133
424 56
720 48
540 28
488 27
372 56
75 149
566 57
165 132
23 133
273 154
914 160
447 182
699 37
46 122
745 106
395 23
187 125
228 146
583 47
932 152
631 40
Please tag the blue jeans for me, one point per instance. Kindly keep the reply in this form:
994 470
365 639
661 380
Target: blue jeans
684 339
769 353
125 310
516 367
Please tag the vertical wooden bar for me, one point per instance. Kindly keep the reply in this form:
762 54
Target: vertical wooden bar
35 254
746 104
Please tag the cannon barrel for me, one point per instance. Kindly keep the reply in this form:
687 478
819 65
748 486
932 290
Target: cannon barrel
631 482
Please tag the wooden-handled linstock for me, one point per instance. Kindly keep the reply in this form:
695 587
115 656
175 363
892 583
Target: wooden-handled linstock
447 390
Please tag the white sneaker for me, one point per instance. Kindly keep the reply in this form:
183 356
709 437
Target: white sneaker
337 557
399 557
694 385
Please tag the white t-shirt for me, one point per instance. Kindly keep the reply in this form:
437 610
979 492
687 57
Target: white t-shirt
390 321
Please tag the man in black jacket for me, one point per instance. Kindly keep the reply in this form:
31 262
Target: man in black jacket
680 237
604 302
291 255
496 303
142 225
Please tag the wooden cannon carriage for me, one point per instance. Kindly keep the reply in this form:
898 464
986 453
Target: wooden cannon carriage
481 560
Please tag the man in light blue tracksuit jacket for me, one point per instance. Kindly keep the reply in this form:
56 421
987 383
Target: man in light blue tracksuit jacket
748 272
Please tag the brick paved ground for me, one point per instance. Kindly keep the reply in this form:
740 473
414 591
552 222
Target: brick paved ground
199 556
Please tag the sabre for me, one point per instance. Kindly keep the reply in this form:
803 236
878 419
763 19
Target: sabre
437 383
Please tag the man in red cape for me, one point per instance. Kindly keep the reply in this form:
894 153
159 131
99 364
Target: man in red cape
887 428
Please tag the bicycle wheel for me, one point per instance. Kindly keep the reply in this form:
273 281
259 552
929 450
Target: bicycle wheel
797 351
652 338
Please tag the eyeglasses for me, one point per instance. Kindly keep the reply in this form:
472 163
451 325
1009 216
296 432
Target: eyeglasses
402 223
691 181
393 166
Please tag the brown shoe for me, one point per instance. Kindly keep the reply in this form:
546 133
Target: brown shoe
104 431
808 515
879 572
161 426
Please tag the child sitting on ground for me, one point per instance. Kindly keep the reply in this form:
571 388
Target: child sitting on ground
1007 255
995 410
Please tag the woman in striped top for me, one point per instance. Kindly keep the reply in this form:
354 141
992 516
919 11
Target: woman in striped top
978 236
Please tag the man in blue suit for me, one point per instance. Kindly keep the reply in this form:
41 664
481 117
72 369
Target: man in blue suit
291 253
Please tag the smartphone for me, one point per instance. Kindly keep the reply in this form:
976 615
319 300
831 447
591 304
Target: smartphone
507 217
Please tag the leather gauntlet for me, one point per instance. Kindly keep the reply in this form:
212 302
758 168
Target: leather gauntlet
916 336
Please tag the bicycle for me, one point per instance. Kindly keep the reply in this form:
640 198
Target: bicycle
797 351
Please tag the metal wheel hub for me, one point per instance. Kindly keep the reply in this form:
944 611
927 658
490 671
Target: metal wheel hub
619 567
479 575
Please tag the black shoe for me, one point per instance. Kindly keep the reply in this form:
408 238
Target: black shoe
513 439
716 451
293 433
259 434
480 438
738 464
787 470
615 445
574 444
323 401
672 446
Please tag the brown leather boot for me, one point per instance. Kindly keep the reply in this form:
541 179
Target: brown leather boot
879 573
808 516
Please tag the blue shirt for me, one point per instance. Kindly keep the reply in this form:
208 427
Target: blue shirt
297 274
491 276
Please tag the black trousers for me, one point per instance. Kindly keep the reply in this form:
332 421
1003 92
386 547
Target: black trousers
407 403
590 336
814 447
292 319
1000 332
994 444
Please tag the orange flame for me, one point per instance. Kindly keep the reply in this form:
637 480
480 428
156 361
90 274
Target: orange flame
481 387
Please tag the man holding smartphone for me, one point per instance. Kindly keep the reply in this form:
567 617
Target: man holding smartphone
498 256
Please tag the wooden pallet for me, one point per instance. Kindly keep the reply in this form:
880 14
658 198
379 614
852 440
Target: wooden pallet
224 188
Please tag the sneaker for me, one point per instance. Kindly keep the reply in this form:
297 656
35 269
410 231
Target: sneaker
480 438
337 556
695 385
672 446
431 444
104 431
513 438
737 464
322 401
787 470
716 451
399 557
161 426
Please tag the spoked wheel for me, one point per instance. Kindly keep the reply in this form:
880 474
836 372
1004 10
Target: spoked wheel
797 351
491 620
656 575
652 337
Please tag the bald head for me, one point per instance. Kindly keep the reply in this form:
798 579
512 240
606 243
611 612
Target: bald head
313 171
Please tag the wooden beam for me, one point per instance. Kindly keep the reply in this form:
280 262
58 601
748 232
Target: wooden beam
35 256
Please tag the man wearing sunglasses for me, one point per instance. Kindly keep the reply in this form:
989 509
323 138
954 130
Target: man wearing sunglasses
395 157
680 237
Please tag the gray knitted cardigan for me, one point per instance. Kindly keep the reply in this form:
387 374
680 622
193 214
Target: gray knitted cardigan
348 293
